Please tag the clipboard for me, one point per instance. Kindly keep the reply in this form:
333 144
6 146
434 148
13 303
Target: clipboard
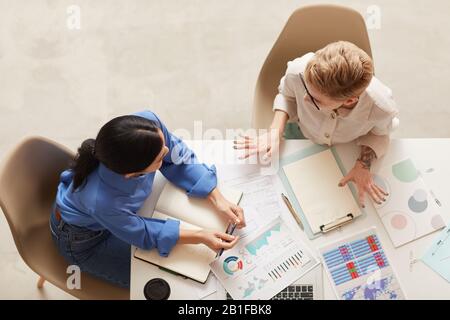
328 225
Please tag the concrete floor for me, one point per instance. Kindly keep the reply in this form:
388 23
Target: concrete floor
186 60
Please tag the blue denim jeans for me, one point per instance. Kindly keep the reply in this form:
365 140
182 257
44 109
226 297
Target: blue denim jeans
98 253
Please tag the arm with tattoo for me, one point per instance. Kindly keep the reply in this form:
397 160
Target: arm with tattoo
361 176
366 157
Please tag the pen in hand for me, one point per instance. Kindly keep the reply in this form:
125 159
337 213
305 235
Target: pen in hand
230 232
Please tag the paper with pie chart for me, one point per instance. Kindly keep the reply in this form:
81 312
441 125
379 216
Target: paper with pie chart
410 210
263 264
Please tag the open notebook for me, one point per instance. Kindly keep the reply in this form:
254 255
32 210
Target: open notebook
189 260
314 183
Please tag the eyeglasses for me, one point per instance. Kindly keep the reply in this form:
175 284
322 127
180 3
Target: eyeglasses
309 94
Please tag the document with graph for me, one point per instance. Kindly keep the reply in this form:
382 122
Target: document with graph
264 263
359 269
410 211
437 256
261 201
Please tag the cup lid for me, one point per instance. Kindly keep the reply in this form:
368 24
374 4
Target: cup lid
157 289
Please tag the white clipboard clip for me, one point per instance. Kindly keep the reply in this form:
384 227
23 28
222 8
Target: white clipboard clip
336 224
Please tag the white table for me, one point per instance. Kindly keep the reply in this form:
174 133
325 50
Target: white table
418 282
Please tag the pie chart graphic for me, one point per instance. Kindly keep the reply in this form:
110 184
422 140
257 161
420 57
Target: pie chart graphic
232 264
405 171
418 201
400 226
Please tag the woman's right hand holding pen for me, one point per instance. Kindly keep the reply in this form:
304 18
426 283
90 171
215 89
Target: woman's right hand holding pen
215 240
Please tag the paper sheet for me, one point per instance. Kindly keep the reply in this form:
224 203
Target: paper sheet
314 181
358 268
206 289
261 201
438 255
264 263
410 211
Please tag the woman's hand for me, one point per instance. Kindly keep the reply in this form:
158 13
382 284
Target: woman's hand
218 240
232 211
361 176
213 239
264 145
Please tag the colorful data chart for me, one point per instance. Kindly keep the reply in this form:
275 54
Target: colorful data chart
262 240
359 268
355 259
380 289
411 210
232 264
254 284
280 269
264 263
348 252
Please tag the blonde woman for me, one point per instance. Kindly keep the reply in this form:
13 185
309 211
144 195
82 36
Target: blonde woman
334 98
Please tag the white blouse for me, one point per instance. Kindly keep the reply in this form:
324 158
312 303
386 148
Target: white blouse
369 122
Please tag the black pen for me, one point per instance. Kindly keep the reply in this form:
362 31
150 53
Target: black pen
233 227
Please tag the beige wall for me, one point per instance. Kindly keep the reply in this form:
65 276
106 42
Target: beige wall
190 60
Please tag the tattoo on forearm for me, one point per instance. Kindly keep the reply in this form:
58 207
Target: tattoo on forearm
366 156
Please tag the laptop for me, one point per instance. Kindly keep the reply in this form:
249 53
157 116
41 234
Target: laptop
308 287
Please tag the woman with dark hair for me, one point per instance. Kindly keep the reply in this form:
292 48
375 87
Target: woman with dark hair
95 219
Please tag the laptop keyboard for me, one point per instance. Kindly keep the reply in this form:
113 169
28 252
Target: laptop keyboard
292 292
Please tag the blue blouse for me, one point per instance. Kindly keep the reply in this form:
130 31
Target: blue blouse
110 201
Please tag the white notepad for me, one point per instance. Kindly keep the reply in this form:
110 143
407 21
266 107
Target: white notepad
189 260
314 181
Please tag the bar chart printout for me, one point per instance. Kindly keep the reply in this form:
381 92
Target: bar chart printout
263 264
359 269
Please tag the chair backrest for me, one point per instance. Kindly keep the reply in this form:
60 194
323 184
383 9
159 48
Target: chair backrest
28 183
307 30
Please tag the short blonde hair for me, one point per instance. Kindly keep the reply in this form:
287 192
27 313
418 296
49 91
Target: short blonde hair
340 70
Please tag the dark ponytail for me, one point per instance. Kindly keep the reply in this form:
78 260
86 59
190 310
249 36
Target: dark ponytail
125 144
85 162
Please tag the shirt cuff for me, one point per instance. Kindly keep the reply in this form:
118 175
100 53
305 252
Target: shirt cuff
206 183
285 104
379 144
168 237
66 177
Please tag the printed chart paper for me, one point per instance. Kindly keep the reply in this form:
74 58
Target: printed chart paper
264 263
410 211
438 256
359 269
